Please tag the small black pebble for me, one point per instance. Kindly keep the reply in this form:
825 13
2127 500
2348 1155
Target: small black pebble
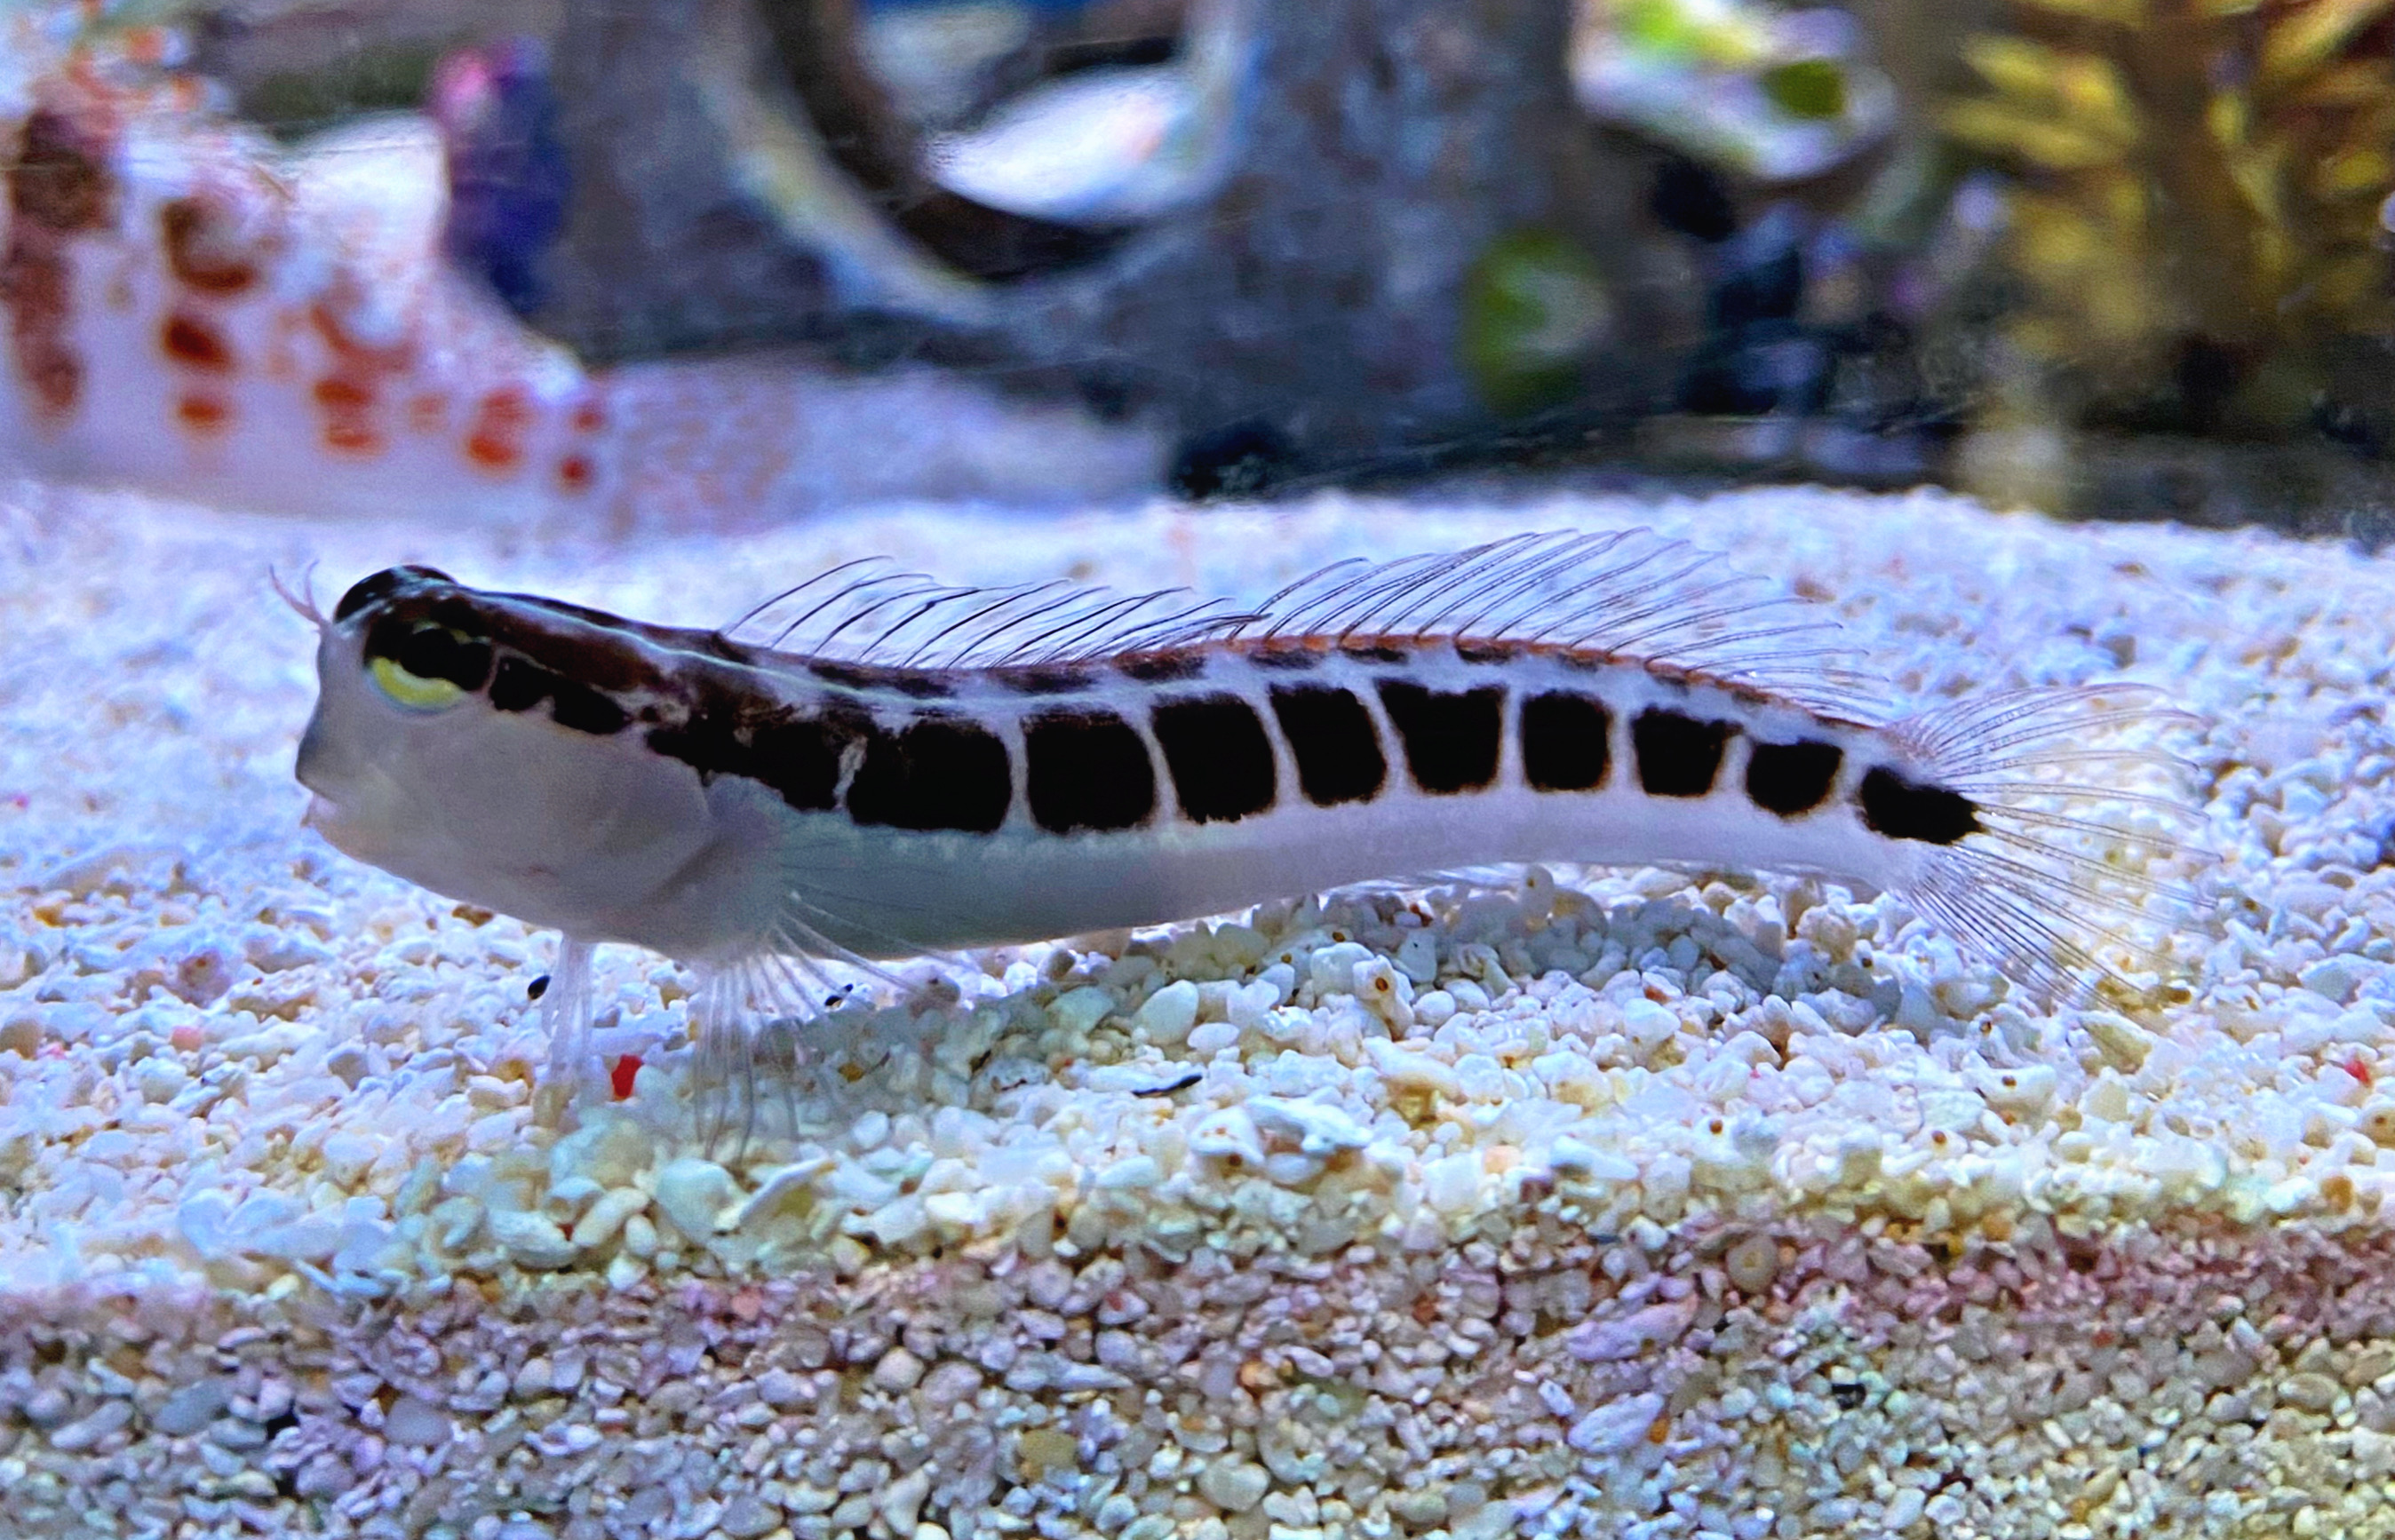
1849 1397
1240 459
538 988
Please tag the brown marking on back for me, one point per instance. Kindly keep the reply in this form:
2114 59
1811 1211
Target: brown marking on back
1900 807
1164 667
348 403
58 187
496 441
1299 652
378 587
37 287
206 415
192 343
573 473
427 411
201 249
57 179
1289 654
920 683
1046 678
357 355
588 417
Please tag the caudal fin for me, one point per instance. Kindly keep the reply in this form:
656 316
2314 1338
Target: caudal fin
2081 870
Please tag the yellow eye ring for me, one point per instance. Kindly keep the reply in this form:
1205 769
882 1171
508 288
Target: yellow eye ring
412 691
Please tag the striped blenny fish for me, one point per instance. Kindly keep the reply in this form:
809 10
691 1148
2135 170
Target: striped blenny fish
875 765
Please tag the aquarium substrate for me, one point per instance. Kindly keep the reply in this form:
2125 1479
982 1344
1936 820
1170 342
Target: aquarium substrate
1610 1203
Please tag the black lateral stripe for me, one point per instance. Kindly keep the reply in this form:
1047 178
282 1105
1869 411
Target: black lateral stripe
1288 658
1451 740
1338 750
934 774
1901 807
1087 770
1565 742
1791 779
1677 756
1220 758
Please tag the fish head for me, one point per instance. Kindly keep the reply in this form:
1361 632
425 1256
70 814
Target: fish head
490 747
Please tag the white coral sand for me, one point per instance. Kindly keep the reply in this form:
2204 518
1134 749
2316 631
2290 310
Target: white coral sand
1615 1203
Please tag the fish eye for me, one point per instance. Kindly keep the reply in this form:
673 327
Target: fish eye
428 668
413 690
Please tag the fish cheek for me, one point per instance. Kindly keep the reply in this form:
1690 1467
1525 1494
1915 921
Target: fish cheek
311 768
601 818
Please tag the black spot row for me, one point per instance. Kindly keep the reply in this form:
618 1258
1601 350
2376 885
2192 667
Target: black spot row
1451 740
1677 756
1903 808
1091 769
933 773
1219 756
1791 779
1331 736
797 757
1564 742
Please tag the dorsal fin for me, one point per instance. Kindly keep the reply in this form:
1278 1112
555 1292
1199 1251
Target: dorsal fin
874 612
1632 593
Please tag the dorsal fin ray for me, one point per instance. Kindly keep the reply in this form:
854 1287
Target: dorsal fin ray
874 612
1630 593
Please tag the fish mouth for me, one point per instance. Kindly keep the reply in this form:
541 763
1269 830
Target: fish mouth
338 828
